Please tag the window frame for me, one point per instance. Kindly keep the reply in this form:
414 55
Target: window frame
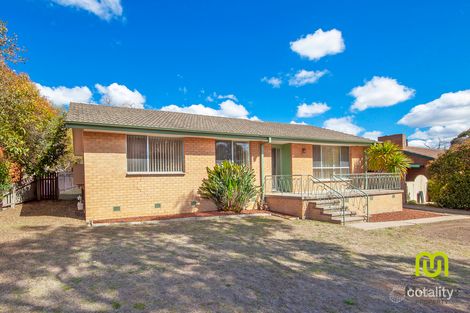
232 158
148 172
321 168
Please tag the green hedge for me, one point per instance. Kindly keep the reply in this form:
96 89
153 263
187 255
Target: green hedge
449 184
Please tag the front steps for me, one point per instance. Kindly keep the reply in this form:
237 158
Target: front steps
331 211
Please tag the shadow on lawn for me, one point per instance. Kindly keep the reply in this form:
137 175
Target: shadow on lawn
57 208
243 265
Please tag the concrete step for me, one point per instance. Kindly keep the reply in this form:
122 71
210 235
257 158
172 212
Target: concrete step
326 201
338 213
332 207
347 219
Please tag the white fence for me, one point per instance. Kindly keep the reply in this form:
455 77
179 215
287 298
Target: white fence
19 194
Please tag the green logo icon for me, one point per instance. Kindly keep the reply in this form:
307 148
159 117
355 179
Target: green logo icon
431 264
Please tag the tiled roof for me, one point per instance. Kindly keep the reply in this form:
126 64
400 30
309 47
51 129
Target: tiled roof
101 115
430 153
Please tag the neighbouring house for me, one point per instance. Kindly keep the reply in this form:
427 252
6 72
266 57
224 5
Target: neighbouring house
141 163
416 176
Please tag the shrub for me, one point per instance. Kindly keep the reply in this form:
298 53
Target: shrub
449 185
386 157
230 186
4 177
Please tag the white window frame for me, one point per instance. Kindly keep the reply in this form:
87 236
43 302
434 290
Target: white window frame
148 172
232 158
331 167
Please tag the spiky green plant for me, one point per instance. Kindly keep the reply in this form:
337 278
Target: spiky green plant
230 186
387 157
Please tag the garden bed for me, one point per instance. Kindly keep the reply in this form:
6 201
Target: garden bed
406 214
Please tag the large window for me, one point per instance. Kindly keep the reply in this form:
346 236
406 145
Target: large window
330 160
146 154
233 151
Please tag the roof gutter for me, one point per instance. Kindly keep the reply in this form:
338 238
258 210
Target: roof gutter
141 129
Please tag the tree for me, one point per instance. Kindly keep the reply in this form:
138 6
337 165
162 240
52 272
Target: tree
449 184
461 138
9 49
388 158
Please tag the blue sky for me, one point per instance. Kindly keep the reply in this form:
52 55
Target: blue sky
361 67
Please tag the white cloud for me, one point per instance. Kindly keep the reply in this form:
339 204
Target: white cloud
309 110
231 109
255 118
215 95
275 82
449 108
380 92
297 123
61 95
230 97
437 136
121 96
374 134
228 108
440 120
319 44
304 77
343 124
105 9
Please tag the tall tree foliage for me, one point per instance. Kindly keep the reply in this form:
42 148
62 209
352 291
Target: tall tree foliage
388 158
449 184
32 132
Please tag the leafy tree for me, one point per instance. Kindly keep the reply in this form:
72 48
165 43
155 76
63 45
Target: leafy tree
461 138
449 184
230 186
9 49
388 158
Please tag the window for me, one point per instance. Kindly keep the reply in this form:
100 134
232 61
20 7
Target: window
238 152
330 160
147 154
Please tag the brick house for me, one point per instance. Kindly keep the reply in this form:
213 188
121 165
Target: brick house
139 163
420 159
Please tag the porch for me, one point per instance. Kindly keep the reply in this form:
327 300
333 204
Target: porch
340 199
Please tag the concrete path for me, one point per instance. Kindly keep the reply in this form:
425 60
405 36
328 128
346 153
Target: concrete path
380 225
436 210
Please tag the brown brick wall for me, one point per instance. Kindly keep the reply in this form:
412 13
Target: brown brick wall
107 183
398 139
356 155
302 159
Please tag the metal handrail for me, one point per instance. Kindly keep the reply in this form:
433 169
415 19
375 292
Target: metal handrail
353 187
373 181
300 185
341 196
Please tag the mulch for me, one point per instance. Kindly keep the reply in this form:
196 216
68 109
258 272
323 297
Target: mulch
406 214
175 216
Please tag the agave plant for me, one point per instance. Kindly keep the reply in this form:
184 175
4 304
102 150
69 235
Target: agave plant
387 157
230 186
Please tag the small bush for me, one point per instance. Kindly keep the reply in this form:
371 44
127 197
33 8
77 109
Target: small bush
230 186
449 185
411 202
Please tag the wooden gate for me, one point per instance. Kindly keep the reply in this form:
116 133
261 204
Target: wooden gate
48 187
